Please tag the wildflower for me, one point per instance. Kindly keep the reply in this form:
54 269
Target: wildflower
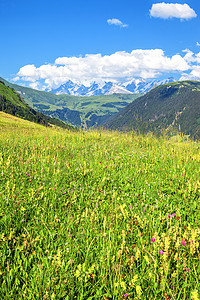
135 278
187 270
137 254
153 239
183 243
123 285
147 259
195 295
169 216
174 274
160 252
125 295
139 291
70 218
173 215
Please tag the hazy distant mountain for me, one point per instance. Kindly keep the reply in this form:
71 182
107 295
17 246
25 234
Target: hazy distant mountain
136 86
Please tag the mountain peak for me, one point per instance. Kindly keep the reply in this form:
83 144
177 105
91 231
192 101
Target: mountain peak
94 88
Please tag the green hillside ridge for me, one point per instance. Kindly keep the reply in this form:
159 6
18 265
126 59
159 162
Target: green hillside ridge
173 106
85 111
12 103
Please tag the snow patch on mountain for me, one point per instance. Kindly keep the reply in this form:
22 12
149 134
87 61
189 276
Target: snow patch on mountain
86 88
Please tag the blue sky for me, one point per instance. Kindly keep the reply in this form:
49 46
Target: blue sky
45 43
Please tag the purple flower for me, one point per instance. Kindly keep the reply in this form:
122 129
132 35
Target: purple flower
169 216
125 295
153 239
188 270
173 214
183 243
70 218
160 252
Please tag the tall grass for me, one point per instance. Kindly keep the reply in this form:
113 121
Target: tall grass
98 215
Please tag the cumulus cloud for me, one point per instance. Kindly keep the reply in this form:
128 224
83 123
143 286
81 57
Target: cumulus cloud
193 75
172 10
193 59
198 44
117 66
116 22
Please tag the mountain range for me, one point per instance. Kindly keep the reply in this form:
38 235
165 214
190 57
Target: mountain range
75 110
135 86
172 106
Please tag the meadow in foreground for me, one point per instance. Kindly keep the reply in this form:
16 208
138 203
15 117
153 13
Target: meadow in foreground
97 215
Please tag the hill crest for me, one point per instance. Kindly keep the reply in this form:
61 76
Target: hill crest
172 106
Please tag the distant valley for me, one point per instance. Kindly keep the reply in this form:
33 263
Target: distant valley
172 106
84 111
12 103
86 104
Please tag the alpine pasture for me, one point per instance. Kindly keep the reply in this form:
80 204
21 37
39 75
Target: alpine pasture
97 214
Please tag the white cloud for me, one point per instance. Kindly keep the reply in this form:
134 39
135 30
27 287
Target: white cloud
191 58
193 75
194 61
34 85
116 22
172 10
120 65
198 44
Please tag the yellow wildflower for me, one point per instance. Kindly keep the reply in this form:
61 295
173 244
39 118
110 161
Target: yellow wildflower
195 295
135 278
137 254
139 291
123 285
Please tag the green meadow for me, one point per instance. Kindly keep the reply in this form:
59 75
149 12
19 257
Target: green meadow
97 214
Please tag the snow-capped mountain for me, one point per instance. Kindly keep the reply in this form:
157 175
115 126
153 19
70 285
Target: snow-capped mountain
108 87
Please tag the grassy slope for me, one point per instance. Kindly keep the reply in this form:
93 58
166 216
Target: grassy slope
11 102
9 123
86 110
84 215
169 106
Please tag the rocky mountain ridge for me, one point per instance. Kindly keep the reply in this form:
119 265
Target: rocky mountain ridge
133 86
